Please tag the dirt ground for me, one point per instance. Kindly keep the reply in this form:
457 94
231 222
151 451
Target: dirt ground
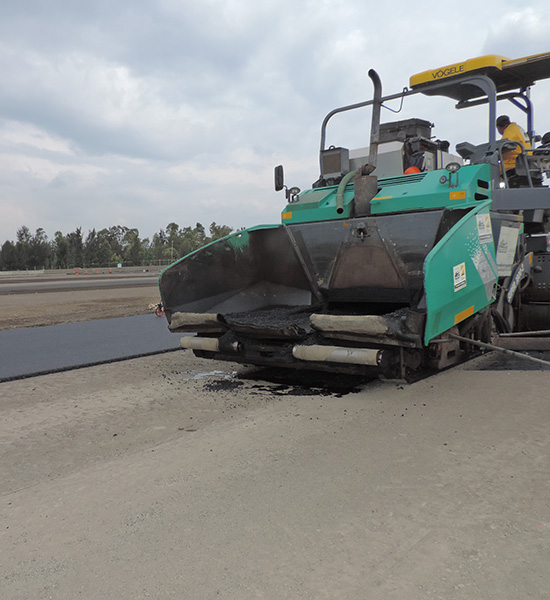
52 308
172 477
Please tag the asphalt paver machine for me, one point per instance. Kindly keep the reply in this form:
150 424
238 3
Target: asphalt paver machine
400 260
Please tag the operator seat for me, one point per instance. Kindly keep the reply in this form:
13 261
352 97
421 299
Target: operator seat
527 173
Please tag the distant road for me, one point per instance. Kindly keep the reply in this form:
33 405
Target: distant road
32 285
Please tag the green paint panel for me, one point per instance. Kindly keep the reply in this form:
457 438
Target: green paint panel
318 205
428 190
460 272
421 191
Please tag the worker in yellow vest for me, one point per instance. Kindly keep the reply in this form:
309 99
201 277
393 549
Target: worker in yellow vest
513 132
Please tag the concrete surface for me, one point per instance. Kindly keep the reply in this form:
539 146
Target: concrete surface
169 477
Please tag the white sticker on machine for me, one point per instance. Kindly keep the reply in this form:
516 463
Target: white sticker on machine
484 229
506 251
459 275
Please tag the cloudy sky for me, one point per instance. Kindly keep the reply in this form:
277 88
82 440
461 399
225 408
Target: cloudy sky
140 113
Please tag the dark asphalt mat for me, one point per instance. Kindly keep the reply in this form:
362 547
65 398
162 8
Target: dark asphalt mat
38 350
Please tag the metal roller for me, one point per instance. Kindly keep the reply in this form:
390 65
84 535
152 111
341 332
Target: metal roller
338 354
189 342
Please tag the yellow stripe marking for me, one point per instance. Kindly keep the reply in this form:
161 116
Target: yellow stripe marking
464 314
286 215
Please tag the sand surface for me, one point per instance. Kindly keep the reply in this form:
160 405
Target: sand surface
172 477
38 308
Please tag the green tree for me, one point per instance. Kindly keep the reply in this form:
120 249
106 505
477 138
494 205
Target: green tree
60 249
8 257
105 254
147 257
105 247
75 254
115 236
219 231
92 247
172 250
23 247
191 239
158 245
133 250
40 250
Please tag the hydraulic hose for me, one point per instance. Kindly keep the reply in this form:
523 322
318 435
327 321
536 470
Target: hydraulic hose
340 192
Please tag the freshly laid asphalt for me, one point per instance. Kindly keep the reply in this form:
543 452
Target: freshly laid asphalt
40 350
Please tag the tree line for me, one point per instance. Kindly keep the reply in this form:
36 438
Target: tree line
104 248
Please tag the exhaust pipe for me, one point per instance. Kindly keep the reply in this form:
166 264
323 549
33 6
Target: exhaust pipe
366 184
375 123
338 354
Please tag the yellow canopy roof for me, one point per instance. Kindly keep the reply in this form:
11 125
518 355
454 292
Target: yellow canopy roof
507 75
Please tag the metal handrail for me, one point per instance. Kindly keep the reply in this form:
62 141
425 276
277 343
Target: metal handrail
483 82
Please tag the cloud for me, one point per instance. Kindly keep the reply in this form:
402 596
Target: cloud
519 32
141 113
